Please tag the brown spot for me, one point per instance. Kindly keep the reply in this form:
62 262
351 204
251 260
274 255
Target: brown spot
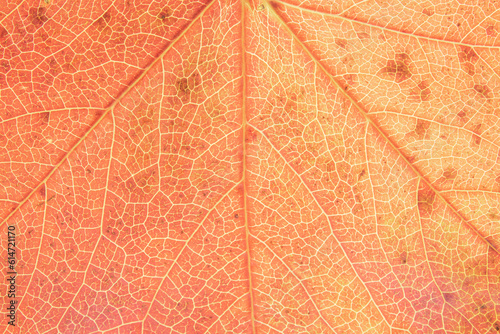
422 92
449 297
403 257
363 35
361 174
251 135
5 65
186 86
164 15
483 90
462 114
450 173
467 54
103 20
38 17
428 12
3 33
426 198
497 326
236 216
41 191
341 42
476 139
469 69
493 216
398 68
491 31
421 128
45 116
182 85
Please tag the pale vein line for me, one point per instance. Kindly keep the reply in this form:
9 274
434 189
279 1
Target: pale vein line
244 162
429 266
372 123
494 193
376 26
228 309
46 111
324 213
416 36
26 293
436 122
181 251
14 10
86 271
300 281
110 108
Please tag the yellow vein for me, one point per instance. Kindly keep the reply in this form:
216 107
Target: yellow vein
181 251
244 5
377 26
109 109
326 215
369 120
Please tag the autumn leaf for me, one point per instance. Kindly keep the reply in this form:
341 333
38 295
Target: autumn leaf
230 166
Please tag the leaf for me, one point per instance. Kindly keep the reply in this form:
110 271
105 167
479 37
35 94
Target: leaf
242 167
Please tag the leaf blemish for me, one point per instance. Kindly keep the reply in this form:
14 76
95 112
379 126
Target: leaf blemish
483 90
467 54
38 17
341 42
422 92
164 15
450 173
398 68
421 128
425 200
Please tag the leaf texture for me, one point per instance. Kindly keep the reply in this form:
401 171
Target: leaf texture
251 167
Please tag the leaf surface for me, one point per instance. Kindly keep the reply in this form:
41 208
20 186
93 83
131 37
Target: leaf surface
251 167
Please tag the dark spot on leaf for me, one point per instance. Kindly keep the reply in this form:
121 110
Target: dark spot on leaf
493 216
236 215
462 114
38 17
45 116
3 33
426 198
363 35
41 191
490 31
450 173
182 85
164 15
469 69
361 174
428 12
497 326
467 54
398 68
421 128
103 20
449 297
422 92
483 90
251 135
5 66
341 42
186 86
403 257
476 140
